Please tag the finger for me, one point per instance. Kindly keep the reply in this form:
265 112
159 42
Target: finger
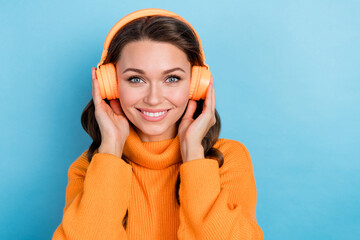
115 105
190 109
208 99
213 94
95 87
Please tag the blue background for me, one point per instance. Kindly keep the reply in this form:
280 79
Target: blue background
287 81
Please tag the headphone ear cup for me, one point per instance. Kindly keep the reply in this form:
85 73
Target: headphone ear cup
106 74
200 81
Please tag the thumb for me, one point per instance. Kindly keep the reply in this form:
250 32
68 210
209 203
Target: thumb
115 105
190 109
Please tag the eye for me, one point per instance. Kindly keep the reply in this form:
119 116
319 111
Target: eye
171 78
135 78
174 78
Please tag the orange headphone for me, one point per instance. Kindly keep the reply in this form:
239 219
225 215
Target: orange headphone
106 73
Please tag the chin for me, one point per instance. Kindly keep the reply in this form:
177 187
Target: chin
155 133
153 130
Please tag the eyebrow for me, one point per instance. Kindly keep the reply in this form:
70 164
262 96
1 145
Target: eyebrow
142 72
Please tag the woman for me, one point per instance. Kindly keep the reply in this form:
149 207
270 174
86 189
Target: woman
156 168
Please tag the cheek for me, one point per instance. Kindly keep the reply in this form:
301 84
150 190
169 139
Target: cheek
127 98
179 96
127 94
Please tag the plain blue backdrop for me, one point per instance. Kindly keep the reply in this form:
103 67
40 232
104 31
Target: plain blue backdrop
287 84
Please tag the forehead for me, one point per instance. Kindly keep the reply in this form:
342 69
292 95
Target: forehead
148 54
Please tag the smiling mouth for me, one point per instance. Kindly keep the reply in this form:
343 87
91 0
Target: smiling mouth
154 114
152 110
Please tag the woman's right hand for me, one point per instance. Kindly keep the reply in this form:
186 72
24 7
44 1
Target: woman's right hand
113 124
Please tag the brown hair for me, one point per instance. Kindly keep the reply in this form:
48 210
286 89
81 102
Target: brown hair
163 29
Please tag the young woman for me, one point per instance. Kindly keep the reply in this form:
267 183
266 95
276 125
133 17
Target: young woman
156 168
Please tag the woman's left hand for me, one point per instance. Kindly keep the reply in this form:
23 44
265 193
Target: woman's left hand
192 131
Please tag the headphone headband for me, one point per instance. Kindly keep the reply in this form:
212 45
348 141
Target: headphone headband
143 13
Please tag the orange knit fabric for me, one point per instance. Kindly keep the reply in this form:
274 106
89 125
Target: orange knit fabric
215 203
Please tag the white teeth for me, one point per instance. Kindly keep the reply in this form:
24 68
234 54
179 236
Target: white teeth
154 114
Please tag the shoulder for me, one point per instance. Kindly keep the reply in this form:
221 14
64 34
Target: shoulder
235 153
78 168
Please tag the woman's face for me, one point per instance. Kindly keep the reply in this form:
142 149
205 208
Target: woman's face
153 76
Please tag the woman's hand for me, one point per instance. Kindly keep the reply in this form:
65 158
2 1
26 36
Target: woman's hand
113 124
191 132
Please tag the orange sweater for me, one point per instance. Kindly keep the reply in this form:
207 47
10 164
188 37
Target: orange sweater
215 203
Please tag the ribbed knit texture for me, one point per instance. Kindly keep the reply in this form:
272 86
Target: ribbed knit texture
215 203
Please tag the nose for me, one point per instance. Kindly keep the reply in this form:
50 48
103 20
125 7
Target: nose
154 95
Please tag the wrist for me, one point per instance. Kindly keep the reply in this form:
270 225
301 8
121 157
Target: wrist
113 148
193 153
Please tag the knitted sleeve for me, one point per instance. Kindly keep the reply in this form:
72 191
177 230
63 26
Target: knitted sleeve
219 203
95 202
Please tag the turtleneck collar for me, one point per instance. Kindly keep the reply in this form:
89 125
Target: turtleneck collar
153 155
